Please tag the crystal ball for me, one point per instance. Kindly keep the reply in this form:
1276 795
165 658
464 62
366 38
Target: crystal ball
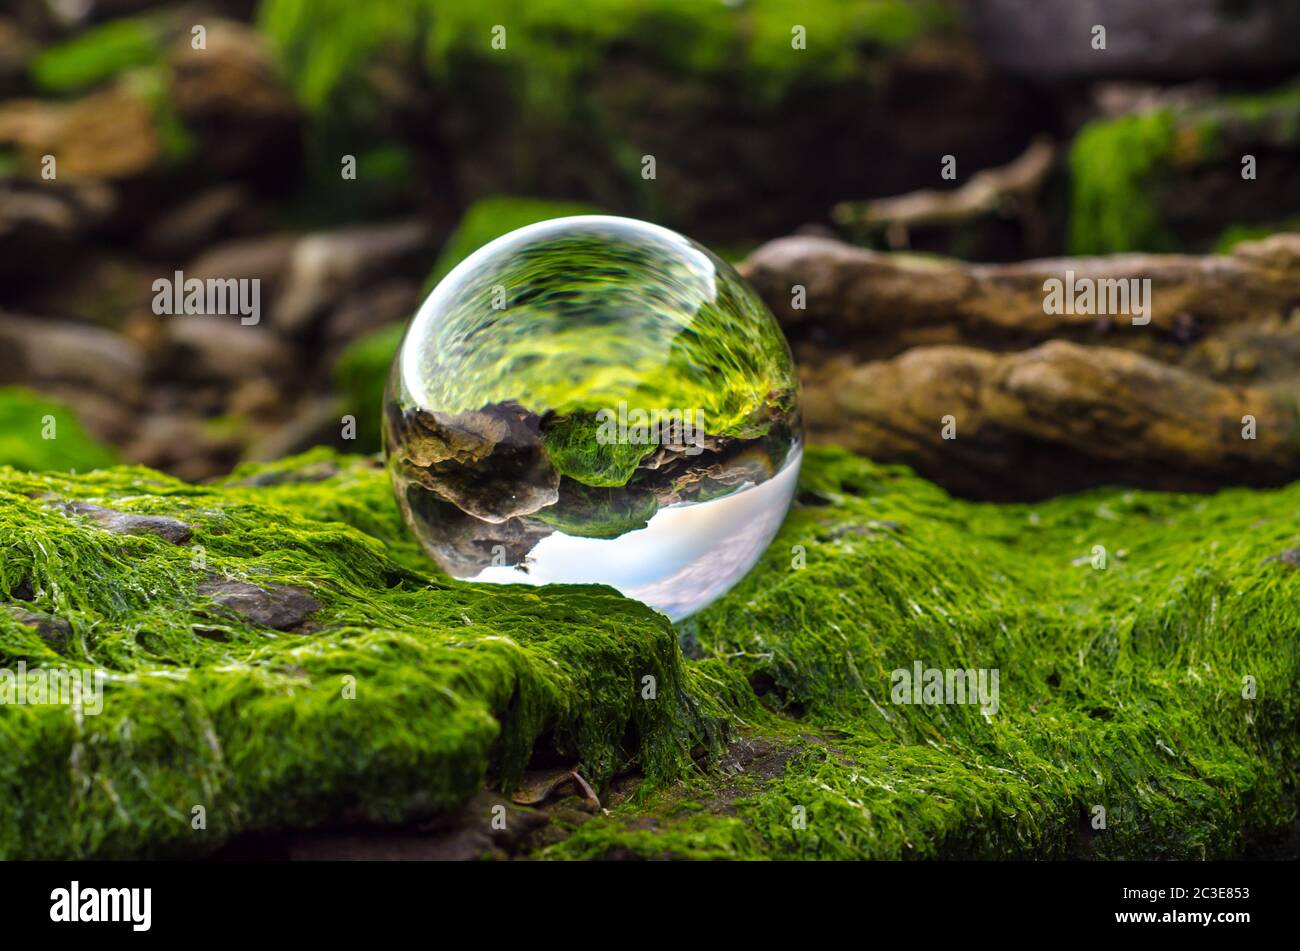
595 400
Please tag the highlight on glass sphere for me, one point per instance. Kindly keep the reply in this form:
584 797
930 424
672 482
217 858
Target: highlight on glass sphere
595 400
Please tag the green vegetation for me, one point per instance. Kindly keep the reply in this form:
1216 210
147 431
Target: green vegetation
573 71
25 421
1236 234
206 707
361 373
1276 113
601 316
552 45
98 54
1115 165
575 453
489 218
177 142
1121 687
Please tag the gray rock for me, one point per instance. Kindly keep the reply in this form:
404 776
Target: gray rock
55 630
221 348
234 101
278 606
1168 39
181 444
315 422
326 267
40 351
460 836
39 217
165 527
265 259
16 51
195 223
314 472
374 307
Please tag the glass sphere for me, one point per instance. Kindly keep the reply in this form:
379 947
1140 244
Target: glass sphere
595 400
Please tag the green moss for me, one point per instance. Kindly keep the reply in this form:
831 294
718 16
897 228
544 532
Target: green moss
553 45
1115 168
1236 234
38 433
386 178
326 45
574 453
605 316
389 164
176 141
202 707
1118 166
97 55
1276 111
1120 687
489 218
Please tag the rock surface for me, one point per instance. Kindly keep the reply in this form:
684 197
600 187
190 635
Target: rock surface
123 523
279 606
107 135
1168 39
230 95
890 346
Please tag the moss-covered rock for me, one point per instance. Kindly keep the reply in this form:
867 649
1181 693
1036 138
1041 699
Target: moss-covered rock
1171 178
567 98
1128 629
206 703
555 44
395 695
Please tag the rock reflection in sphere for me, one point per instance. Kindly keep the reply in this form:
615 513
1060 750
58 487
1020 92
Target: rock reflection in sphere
595 399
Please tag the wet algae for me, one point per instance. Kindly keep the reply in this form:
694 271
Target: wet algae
1161 687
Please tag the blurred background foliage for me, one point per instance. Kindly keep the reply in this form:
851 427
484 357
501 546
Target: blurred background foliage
228 159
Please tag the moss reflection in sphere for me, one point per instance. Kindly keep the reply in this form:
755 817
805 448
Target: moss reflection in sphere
595 400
